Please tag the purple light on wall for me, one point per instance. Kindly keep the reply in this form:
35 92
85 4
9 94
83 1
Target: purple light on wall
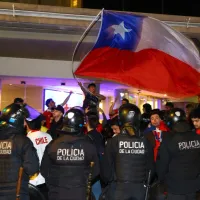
159 103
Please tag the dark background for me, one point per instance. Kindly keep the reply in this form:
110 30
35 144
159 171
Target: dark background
173 7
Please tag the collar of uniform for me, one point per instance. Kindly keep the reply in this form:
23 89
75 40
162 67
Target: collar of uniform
181 127
93 130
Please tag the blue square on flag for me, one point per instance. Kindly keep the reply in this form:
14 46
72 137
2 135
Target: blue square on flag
120 31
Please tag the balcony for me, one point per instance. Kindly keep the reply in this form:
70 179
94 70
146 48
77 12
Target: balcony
64 3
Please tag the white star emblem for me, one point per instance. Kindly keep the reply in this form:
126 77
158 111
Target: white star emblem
120 29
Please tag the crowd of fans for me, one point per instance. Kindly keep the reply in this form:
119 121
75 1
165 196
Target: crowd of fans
152 123
151 119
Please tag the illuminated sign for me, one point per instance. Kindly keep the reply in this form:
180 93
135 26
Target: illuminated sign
75 3
76 99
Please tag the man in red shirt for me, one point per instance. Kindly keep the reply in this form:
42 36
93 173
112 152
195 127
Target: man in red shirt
48 114
156 135
195 116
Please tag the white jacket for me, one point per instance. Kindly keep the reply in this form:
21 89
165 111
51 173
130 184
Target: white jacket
40 140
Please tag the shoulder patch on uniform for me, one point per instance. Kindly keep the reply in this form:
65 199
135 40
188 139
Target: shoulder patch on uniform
189 145
131 147
70 154
5 147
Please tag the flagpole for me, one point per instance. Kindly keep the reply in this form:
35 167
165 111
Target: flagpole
82 38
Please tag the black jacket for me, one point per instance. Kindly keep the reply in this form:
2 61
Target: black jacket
97 139
16 150
145 120
151 137
90 101
129 158
54 127
178 162
66 166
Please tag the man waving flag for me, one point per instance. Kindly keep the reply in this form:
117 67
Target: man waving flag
144 53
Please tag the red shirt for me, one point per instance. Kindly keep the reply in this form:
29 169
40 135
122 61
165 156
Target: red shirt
158 137
198 131
48 115
115 113
99 128
163 127
85 130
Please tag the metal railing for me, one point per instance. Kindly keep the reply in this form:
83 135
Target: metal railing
65 3
76 17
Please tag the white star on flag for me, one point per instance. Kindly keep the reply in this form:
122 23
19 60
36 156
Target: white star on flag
120 29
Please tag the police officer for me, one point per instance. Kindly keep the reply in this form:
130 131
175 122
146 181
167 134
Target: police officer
178 162
129 156
145 117
16 150
66 161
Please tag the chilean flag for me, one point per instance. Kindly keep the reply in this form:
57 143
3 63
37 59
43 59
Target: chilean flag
144 53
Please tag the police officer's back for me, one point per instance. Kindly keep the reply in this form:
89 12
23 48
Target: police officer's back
130 156
66 161
178 163
16 150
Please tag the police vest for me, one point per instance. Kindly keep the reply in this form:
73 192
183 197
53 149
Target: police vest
101 147
9 163
69 167
131 159
185 162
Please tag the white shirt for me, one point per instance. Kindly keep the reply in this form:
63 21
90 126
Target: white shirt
40 140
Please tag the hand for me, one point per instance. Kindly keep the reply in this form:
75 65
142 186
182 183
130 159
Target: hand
80 84
87 110
116 99
51 119
112 103
100 110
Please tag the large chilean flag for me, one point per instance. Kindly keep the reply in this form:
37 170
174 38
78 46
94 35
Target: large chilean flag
144 53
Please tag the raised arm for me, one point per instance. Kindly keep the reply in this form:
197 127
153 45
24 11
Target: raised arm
104 117
67 99
112 106
85 91
100 96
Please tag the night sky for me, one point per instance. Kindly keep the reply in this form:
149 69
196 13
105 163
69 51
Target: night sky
174 7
